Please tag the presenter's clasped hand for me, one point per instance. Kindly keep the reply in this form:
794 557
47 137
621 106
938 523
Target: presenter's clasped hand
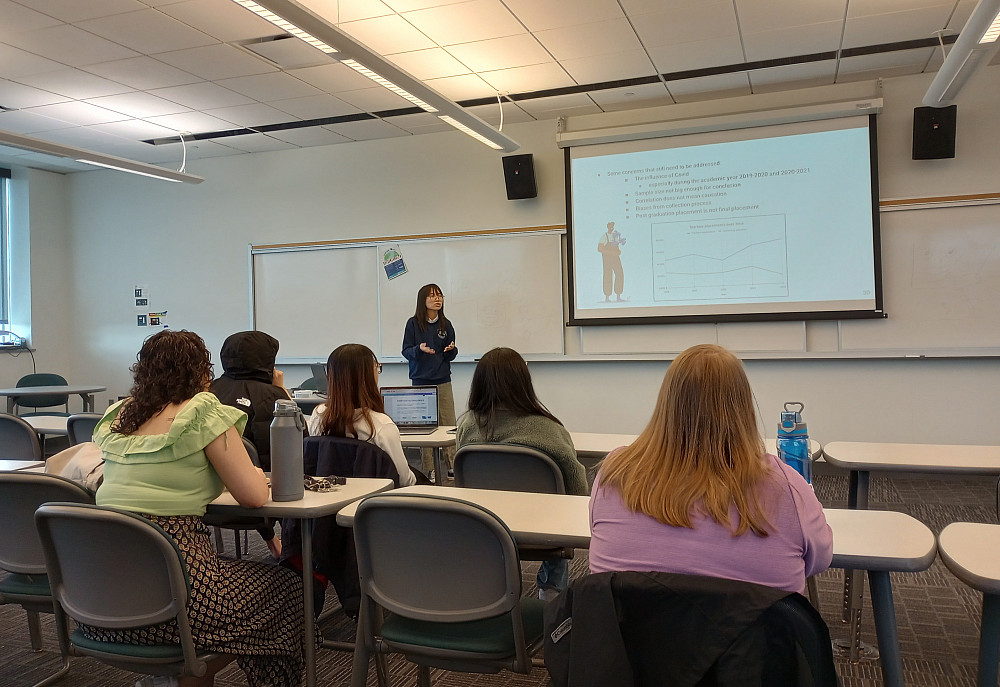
427 349
449 347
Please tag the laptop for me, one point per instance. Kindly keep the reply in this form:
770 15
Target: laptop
414 409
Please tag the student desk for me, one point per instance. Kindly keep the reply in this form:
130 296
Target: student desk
312 505
877 541
12 465
85 391
308 403
440 438
592 445
48 424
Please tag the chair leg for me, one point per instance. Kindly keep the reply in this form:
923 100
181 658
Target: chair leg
56 676
220 546
989 640
381 670
423 676
34 631
236 543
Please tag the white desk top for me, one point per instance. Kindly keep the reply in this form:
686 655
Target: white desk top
854 455
9 465
313 504
972 552
48 424
862 539
442 436
46 390
599 445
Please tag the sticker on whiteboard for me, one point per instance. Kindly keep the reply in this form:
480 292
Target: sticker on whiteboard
392 261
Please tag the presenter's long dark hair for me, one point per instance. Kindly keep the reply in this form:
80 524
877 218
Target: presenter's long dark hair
421 314
502 382
352 385
171 367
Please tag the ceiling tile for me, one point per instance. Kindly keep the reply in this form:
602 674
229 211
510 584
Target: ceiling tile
215 62
409 5
863 8
70 45
801 75
501 53
536 77
963 10
140 105
586 40
250 115
353 10
707 87
682 57
554 106
15 62
432 63
554 14
192 122
18 19
267 87
72 12
600 68
634 7
197 150
912 61
387 35
16 96
74 83
332 78
707 20
374 99
873 29
134 130
788 42
420 123
29 122
315 107
367 130
466 22
224 20
462 87
142 73
759 16
632 97
512 114
148 31
80 113
309 136
258 143
202 96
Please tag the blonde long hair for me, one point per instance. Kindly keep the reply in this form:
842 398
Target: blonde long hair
701 449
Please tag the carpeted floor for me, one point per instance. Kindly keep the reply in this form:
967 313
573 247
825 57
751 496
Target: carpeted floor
938 616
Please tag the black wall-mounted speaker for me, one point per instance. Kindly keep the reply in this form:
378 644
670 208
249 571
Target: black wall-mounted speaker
934 132
519 175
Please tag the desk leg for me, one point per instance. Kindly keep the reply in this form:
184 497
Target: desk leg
989 640
10 405
885 628
88 402
306 524
857 498
440 472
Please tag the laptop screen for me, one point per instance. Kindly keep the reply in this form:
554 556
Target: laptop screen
411 406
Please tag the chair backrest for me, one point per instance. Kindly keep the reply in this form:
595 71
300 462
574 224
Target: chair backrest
21 493
18 439
314 384
325 455
436 559
81 427
252 451
42 379
507 468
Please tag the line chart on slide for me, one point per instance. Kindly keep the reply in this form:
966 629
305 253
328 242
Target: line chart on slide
720 259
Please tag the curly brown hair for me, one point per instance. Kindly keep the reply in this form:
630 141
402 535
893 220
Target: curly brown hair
172 366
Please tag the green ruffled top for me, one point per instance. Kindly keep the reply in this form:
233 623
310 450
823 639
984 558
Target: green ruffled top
165 474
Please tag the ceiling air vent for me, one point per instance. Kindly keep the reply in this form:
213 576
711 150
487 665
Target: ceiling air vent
286 52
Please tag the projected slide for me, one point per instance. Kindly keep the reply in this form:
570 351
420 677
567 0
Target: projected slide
771 221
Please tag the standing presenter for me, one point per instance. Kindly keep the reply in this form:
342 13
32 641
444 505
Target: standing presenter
429 346
610 249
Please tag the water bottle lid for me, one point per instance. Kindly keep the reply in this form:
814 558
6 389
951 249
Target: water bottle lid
286 407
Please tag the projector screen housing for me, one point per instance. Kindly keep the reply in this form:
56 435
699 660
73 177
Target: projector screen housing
767 223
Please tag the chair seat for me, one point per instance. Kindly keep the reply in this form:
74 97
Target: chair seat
164 652
492 636
25 585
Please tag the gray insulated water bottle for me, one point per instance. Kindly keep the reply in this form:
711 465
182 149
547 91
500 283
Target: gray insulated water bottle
286 451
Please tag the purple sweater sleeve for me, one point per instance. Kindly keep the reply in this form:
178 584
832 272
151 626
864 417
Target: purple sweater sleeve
817 537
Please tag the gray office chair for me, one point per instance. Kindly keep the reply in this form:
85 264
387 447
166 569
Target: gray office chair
238 523
18 439
84 548
81 427
448 574
512 468
49 401
21 493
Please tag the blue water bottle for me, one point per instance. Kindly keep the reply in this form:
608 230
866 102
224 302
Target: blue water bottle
793 440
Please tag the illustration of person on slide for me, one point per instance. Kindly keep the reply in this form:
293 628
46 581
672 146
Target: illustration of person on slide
610 248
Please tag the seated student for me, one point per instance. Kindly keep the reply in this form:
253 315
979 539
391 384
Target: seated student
354 406
697 494
251 383
169 450
503 409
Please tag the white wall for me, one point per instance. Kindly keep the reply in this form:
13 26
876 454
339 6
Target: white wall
189 245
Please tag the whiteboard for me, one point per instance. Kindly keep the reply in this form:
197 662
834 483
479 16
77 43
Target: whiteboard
500 290
314 300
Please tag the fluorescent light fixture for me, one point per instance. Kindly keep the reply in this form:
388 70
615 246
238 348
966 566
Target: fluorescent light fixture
286 26
366 61
91 157
975 46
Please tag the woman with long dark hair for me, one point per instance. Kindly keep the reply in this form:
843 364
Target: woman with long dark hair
169 450
697 494
429 346
354 407
504 409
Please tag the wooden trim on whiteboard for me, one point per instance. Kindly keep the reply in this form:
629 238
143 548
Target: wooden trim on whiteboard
410 237
936 200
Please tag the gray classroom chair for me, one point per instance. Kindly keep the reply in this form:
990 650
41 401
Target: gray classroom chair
448 574
84 548
238 523
21 493
18 439
80 427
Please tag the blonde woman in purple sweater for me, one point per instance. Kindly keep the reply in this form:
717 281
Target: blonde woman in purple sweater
697 494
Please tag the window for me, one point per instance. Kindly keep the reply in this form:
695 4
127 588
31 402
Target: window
4 248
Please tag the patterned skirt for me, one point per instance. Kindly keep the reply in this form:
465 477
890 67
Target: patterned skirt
243 608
